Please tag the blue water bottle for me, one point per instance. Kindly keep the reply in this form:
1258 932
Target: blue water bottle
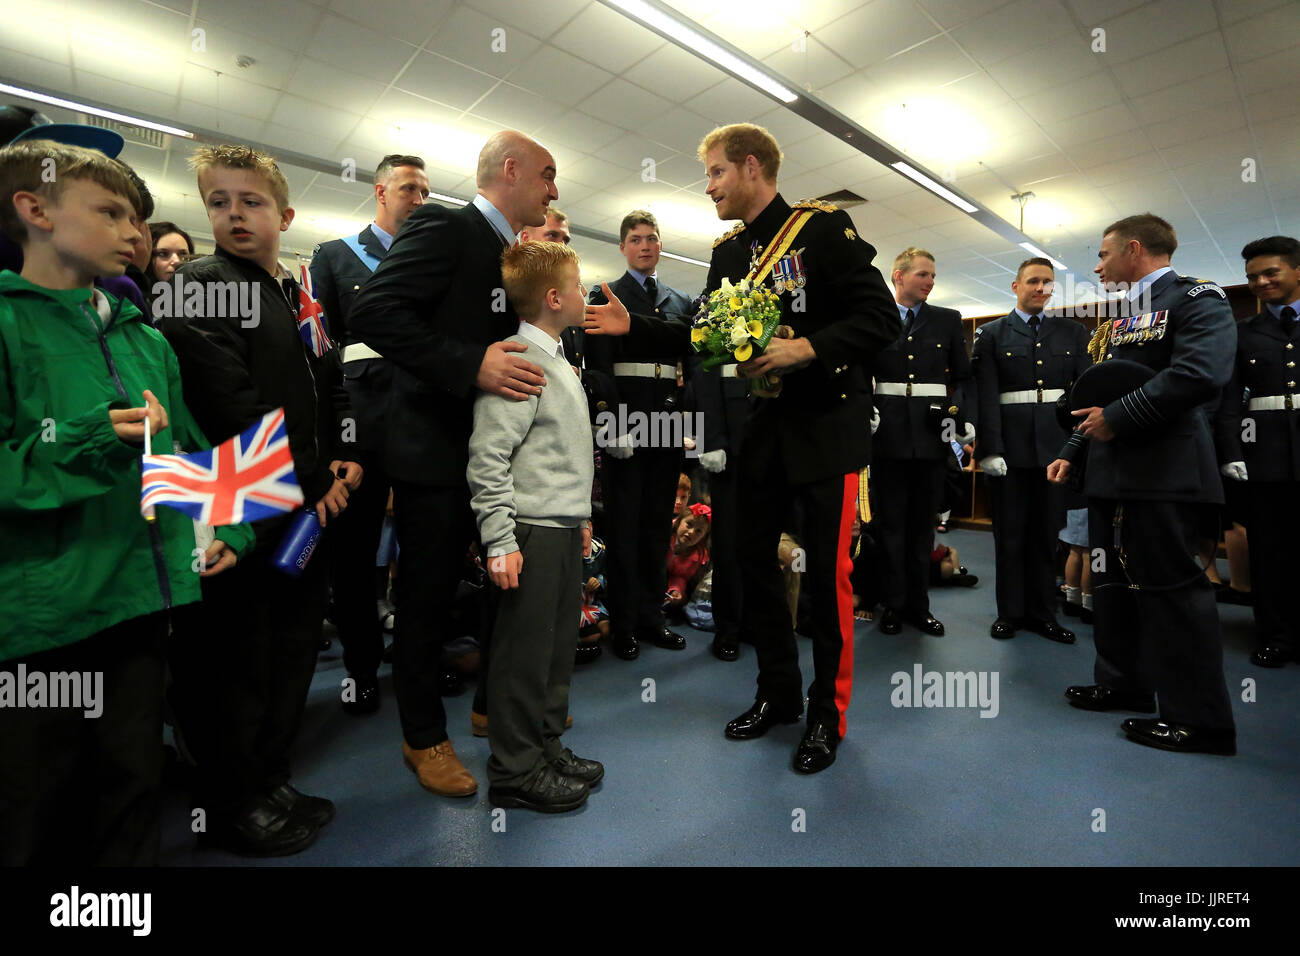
298 543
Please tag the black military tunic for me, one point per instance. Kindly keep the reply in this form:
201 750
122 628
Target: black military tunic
1020 375
1259 424
1156 623
907 470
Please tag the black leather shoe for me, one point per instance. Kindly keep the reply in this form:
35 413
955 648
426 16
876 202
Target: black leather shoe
726 647
816 751
587 651
925 623
568 764
663 637
263 829
1003 628
315 810
890 622
1097 697
1181 737
367 695
544 791
1050 630
625 647
759 719
963 579
1272 656
450 683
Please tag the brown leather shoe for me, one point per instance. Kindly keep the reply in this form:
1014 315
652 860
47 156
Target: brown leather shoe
478 723
440 770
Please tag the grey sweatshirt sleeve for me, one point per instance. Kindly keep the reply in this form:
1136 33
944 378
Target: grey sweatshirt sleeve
500 425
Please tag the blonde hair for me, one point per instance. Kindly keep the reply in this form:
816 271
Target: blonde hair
530 269
24 167
553 212
229 156
740 140
903 261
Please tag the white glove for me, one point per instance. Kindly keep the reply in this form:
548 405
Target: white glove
620 447
875 419
714 461
995 466
1236 470
966 437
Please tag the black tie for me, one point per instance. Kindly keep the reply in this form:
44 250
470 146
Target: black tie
651 289
1288 321
907 324
1033 324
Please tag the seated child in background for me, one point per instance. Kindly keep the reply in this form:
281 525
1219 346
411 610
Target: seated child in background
688 552
593 622
683 495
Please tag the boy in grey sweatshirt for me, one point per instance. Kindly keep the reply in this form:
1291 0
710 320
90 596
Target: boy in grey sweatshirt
530 473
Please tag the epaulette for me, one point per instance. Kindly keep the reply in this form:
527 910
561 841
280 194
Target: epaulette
818 204
729 234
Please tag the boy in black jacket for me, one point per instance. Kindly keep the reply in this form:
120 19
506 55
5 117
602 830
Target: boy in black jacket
241 676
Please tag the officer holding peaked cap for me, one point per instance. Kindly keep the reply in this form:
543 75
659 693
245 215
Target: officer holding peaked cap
1151 471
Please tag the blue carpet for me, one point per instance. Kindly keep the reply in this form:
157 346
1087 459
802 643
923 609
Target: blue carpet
1038 784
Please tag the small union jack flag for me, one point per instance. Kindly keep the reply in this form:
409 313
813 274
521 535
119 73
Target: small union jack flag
311 324
247 477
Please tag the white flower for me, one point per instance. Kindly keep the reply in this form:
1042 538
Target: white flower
739 335
726 286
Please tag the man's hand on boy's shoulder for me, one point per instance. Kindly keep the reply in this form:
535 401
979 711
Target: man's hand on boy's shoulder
128 423
506 374
504 569
218 558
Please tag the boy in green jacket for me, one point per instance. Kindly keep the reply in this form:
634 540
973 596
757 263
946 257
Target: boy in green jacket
85 581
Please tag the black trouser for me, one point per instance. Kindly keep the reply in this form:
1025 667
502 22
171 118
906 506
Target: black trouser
240 674
533 644
728 593
77 790
766 500
906 492
352 543
435 527
639 493
1162 635
1027 516
1270 539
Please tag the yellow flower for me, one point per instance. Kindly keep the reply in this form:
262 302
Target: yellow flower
744 352
697 335
735 304
755 328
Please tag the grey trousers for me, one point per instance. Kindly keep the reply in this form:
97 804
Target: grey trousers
533 644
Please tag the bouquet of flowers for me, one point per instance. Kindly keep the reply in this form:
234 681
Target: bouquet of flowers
734 324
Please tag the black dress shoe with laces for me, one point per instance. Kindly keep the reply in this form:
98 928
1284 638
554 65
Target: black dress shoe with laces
1181 737
726 647
315 810
1097 697
625 647
890 622
1050 630
569 764
925 623
661 636
759 719
1003 628
366 699
586 652
263 829
1272 656
544 790
816 751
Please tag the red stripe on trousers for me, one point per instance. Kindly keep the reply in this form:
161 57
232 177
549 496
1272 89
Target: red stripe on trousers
844 600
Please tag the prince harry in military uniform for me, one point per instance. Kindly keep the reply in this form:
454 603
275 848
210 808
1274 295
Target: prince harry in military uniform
806 444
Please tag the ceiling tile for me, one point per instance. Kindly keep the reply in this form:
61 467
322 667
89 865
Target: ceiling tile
923 68
1154 26
271 65
1046 64
680 129
1273 72
579 131
561 76
1174 64
364 51
1084 94
673 74
445 81
731 101
1015 30
23 69
876 31
39 31
514 108
482 42
813 67
328 127
607 39
334 87
540 19
293 19
623 104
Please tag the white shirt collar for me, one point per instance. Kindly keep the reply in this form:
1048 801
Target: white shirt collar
540 338
1146 282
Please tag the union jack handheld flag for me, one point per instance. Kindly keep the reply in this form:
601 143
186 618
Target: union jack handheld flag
245 478
311 317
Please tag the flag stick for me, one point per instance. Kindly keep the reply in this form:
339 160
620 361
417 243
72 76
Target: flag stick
149 514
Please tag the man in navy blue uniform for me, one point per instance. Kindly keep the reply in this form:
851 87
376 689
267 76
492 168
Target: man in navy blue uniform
638 478
1151 473
808 443
1260 445
920 378
1023 363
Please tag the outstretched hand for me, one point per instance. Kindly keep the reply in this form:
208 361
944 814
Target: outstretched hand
612 318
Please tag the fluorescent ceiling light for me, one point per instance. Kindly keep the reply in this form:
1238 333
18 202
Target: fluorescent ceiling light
451 199
694 262
930 184
685 36
94 110
1033 250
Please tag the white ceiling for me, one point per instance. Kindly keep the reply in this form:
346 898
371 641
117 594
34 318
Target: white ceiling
1003 96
